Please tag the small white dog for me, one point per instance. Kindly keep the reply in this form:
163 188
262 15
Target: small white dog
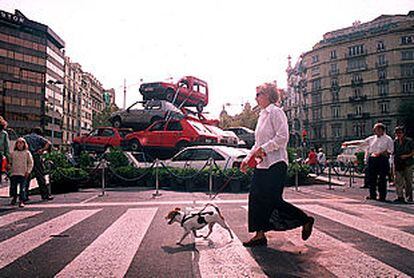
194 221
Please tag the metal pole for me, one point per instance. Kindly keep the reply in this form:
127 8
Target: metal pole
103 166
350 174
53 117
157 183
297 180
210 178
329 176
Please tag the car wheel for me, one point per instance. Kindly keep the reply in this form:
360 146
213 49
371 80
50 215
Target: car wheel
117 123
199 107
135 145
181 145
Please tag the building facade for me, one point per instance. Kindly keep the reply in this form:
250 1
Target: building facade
350 80
39 86
31 69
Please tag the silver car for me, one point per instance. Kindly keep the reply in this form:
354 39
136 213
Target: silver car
245 134
142 114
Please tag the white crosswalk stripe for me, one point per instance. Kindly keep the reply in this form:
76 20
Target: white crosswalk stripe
220 257
389 234
337 257
17 246
16 216
112 252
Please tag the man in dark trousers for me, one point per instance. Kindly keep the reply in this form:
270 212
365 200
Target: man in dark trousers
380 146
403 162
37 146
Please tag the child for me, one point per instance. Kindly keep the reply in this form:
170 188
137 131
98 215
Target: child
21 164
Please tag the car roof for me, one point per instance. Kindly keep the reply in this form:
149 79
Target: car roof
225 149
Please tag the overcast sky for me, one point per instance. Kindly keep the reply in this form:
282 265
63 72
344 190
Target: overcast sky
233 45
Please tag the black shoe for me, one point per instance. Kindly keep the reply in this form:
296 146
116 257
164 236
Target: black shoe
48 198
382 200
307 228
399 200
255 242
364 186
370 198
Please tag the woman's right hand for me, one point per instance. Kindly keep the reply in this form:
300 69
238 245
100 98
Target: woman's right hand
244 167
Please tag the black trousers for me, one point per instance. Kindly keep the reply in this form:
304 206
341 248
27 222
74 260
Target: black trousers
265 199
16 181
378 169
39 173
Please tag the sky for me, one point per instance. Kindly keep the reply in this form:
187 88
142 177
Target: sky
233 45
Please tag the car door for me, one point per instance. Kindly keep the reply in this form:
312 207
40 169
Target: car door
107 139
183 159
173 133
92 140
154 136
184 90
133 115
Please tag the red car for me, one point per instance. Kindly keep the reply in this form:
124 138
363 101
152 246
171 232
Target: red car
170 134
188 90
100 139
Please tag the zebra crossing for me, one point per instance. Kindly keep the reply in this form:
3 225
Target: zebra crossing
350 239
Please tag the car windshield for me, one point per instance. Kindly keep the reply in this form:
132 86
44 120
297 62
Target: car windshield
215 130
199 127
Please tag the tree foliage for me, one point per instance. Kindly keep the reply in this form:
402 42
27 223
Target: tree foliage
102 118
406 117
247 118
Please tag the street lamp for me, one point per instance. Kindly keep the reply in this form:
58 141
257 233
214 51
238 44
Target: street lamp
53 82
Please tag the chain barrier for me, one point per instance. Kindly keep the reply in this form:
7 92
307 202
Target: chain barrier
231 177
185 177
132 179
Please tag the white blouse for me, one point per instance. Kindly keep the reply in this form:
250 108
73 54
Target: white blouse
271 134
379 144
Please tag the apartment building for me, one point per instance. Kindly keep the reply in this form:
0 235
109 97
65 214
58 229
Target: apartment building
351 79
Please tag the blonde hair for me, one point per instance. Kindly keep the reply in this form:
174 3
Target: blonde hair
270 90
21 139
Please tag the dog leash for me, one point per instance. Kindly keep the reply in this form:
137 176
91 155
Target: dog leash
225 184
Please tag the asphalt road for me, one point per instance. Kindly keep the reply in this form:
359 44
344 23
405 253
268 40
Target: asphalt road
124 233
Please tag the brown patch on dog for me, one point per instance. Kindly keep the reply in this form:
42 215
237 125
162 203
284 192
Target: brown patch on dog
172 213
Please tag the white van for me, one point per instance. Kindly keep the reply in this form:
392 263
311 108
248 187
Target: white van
349 149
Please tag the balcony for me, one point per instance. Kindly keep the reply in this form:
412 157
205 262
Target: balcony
357 98
362 67
357 82
358 116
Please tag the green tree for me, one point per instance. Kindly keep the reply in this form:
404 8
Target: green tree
102 118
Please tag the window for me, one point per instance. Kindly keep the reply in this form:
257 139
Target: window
357 92
316 84
382 74
383 89
380 46
315 71
184 156
333 54
384 107
407 70
315 59
381 60
357 64
358 110
407 40
158 126
356 50
336 131
407 55
359 129
335 96
174 126
108 133
407 86
335 111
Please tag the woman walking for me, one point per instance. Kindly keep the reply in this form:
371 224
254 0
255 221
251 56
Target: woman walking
267 209
21 164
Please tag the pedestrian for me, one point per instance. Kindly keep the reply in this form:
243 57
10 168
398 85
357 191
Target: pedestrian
403 162
379 148
312 160
4 146
21 164
37 146
321 157
267 209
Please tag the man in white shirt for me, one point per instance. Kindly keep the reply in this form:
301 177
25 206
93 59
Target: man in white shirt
379 148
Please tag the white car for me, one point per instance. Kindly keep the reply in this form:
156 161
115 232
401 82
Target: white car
196 157
225 137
